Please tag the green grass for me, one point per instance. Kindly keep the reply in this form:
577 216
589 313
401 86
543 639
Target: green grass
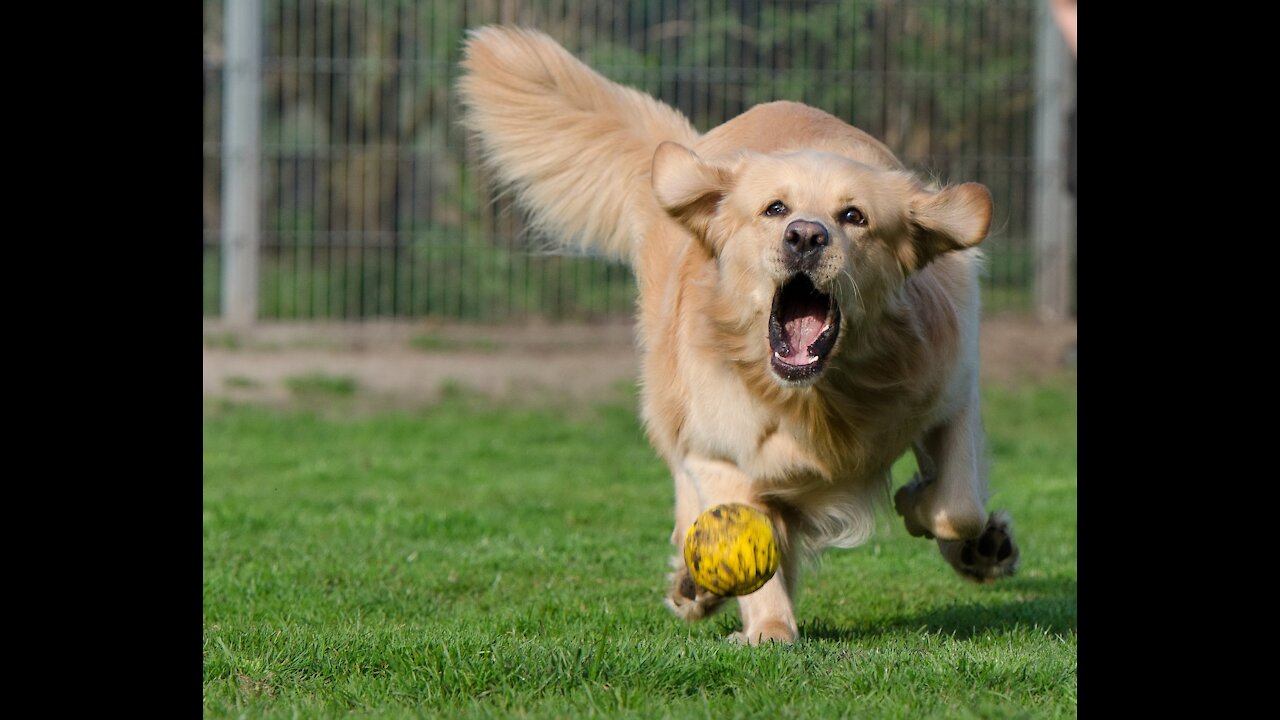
436 343
320 385
471 561
222 341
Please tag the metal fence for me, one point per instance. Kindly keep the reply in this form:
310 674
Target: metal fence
367 204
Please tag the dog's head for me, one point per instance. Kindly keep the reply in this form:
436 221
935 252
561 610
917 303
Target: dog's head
816 240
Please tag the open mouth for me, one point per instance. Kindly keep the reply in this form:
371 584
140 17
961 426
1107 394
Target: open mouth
803 327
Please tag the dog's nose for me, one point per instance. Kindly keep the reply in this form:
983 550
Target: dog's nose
805 237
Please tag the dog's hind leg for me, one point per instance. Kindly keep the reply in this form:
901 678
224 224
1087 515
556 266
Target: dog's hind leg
947 500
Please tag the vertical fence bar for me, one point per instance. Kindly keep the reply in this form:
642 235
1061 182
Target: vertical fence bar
241 154
1052 207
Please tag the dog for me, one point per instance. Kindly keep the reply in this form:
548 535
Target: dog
808 309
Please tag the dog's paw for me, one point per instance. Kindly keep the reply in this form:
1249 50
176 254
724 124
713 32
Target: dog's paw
768 631
687 599
905 502
992 555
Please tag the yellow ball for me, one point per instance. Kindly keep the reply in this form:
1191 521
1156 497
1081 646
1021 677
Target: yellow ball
731 550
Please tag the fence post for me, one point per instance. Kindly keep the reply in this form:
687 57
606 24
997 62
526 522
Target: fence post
241 152
1053 205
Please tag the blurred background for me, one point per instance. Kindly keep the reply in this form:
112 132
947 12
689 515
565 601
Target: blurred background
339 186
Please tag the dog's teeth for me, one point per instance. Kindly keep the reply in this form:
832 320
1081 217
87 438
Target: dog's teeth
812 359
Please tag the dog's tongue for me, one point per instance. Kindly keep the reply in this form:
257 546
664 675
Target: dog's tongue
801 333
802 323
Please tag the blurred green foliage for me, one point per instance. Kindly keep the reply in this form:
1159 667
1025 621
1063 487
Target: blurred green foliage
371 207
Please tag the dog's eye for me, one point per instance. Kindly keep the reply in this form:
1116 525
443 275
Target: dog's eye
775 209
853 216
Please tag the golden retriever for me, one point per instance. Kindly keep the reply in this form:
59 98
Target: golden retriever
808 309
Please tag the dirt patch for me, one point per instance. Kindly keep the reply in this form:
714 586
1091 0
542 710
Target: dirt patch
410 364
1017 348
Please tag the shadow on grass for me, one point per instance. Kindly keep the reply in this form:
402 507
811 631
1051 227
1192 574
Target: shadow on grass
1053 610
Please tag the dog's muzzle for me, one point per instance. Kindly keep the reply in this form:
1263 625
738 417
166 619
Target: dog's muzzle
804 324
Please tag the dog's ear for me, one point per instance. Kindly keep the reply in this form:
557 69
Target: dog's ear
953 218
687 187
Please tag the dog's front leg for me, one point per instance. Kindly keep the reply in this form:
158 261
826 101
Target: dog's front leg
947 497
685 597
767 614
947 500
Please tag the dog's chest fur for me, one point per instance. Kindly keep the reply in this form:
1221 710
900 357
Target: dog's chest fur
845 431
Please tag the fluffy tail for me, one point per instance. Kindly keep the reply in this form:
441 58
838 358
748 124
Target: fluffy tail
575 148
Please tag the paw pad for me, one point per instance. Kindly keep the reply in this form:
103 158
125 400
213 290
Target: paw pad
991 556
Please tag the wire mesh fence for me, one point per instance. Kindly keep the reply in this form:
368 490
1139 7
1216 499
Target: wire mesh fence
371 207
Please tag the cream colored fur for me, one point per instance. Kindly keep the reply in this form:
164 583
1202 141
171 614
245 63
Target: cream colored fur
609 169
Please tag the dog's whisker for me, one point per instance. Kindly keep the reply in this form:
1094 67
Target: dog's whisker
857 294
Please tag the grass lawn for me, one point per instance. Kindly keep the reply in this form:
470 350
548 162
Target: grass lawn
473 561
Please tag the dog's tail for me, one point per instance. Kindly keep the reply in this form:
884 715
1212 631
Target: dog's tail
575 148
